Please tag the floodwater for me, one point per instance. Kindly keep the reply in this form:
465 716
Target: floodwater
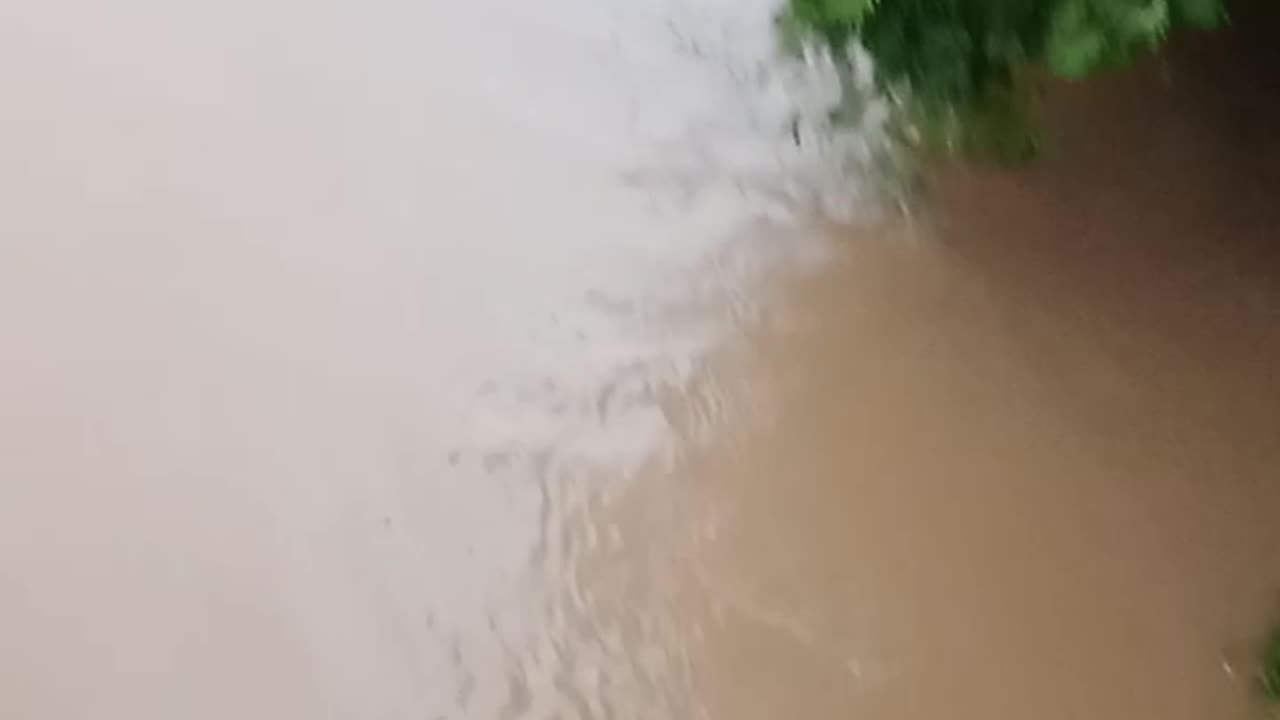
420 359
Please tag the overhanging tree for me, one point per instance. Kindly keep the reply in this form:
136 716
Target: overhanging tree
962 67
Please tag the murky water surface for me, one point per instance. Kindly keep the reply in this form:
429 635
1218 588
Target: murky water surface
423 359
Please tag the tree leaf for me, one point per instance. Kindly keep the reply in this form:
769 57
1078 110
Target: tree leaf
1199 13
1076 45
847 11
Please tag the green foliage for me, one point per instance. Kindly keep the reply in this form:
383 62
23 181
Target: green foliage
964 64
1269 667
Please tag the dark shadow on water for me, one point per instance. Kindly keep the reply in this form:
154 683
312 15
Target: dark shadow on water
1156 204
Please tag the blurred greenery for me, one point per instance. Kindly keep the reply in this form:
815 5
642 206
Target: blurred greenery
1269 666
963 69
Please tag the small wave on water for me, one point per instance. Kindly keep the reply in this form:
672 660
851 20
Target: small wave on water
397 295
721 154
795 135
715 154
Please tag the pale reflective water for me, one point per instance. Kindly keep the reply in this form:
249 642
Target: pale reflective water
413 359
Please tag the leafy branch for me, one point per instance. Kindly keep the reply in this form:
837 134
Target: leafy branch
963 66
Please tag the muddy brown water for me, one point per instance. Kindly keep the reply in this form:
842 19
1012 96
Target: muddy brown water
394 360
